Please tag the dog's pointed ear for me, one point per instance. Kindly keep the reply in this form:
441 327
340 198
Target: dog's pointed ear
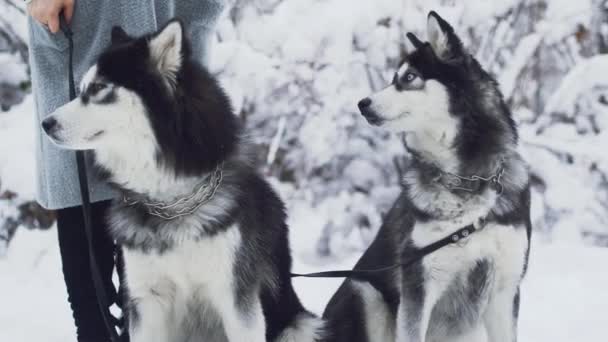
119 35
443 39
167 48
417 43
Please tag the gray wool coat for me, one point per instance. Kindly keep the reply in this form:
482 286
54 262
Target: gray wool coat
57 178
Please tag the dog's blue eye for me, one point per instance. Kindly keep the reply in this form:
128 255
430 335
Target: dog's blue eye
409 77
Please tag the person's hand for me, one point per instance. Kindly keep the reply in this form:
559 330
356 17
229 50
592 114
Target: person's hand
47 12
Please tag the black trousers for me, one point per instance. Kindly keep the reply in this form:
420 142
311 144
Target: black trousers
77 270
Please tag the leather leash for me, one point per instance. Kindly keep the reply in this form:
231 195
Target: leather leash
102 297
365 274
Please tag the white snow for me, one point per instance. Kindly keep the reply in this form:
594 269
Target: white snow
13 71
564 297
33 297
14 18
524 51
587 76
17 130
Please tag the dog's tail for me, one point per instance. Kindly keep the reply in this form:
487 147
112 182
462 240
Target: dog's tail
306 327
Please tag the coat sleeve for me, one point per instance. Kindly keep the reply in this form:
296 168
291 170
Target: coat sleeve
200 17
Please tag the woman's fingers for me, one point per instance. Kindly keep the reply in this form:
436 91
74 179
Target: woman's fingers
68 10
47 12
53 23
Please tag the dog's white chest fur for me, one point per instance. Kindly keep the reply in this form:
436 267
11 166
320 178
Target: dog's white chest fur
194 265
190 286
452 273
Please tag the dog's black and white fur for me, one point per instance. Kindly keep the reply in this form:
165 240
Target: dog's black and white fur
456 123
159 125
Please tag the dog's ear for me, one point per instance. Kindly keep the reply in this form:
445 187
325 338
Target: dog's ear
119 35
167 49
416 43
442 37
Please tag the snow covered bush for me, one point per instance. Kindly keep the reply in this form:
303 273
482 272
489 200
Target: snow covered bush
13 54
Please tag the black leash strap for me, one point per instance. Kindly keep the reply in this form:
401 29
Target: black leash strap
364 274
102 298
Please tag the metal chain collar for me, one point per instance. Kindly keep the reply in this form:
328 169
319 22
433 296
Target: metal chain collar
456 182
186 205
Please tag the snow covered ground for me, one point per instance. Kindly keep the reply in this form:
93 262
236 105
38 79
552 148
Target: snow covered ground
565 294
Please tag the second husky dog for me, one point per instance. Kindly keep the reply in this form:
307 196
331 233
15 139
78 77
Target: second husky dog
465 170
204 237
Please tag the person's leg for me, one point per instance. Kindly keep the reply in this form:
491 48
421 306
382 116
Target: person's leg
77 271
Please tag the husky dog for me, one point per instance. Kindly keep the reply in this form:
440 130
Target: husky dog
465 170
204 237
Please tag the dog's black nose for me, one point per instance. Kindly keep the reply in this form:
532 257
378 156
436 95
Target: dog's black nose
366 102
368 113
49 125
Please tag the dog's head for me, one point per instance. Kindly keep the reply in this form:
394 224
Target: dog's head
146 96
441 95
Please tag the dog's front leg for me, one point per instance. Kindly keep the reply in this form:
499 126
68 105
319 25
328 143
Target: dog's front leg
148 320
415 308
501 316
243 318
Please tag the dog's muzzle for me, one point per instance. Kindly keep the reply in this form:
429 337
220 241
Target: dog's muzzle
368 113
